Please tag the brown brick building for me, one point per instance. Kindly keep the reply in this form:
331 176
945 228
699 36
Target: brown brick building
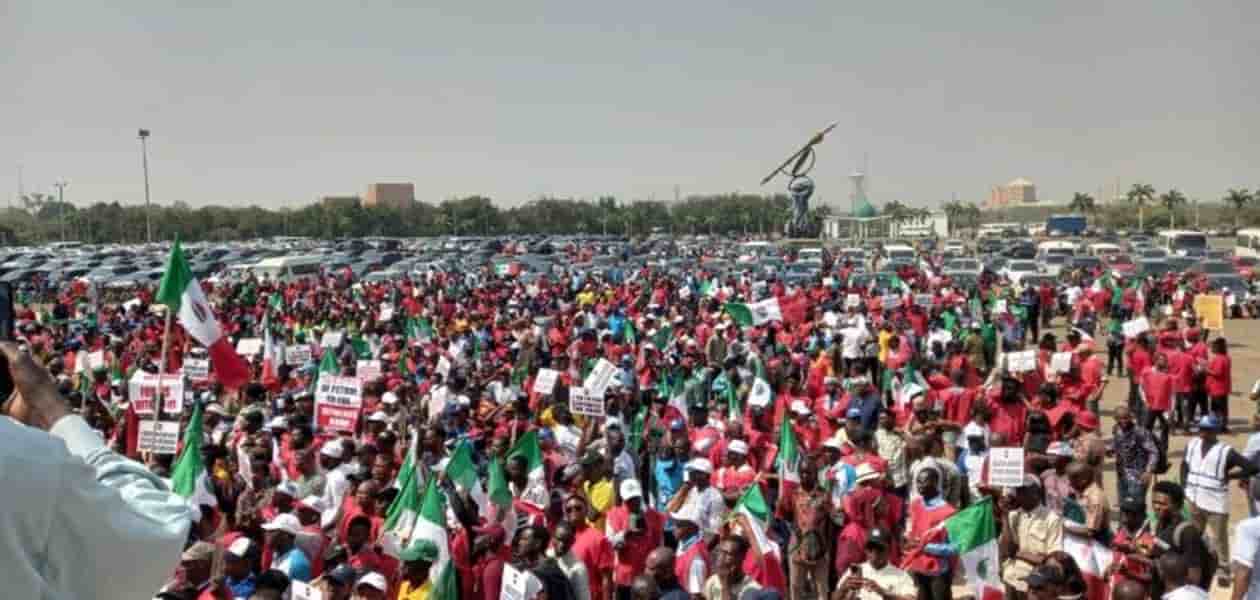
397 195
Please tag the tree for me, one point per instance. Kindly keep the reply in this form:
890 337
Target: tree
953 212
1141 194
1237 199
1082 203
1171 200
896 211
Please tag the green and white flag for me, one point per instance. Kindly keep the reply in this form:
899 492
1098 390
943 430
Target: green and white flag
663 337
709 288
789 458
189 477
416 517
973 532
536 488
461 472
754 512
501 509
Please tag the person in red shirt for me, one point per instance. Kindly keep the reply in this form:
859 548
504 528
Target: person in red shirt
590 546
1157 387
1181 368
928 559
1008 414
634 531
1219 381
1139 358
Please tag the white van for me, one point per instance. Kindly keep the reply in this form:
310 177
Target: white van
1102 249
287 269
899 252
1063 248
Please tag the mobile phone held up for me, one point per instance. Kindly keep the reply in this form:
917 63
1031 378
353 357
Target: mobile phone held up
6 334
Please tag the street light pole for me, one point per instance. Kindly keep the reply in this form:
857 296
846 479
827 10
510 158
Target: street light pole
61 207
144 158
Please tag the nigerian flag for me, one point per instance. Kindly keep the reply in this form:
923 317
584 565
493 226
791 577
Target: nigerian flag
536 489
709 288
663 337
414 516
753 510
789 459
973 532
501 509
629 335
189 477
461 472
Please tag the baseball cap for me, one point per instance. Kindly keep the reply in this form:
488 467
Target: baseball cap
389 398
854 413
798 407
314 503
700 464
688 512
738 447
278 423
333 448
422 549
630 489
198 552
865 472
284 522
379 417
373 580
878 537
240 548
1209 423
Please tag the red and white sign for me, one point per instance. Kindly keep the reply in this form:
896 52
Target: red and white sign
338 402
368 370
144 386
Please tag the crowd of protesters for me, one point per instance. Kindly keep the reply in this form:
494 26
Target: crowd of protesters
893 396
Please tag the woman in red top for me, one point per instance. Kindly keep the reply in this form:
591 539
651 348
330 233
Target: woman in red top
1219 381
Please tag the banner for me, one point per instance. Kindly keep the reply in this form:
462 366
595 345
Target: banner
368 370
158 437
600 377
853 300
443 367
338 401
1135 327
144 386
197 370
545 382
332 339
1061 362
1211 311
1006 466
1021 362
583 402
249 347
298 355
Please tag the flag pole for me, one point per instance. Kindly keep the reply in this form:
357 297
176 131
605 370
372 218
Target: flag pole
166 342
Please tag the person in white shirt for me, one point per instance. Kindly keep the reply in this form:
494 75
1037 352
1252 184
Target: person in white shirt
706 499
336 483
80 516
876 579
1173 571
1245 550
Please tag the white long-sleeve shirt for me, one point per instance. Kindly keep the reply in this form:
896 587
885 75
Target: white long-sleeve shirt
79 521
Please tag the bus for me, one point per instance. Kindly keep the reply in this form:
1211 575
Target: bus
1182 242
1248 243
288 269
1066 225
997 229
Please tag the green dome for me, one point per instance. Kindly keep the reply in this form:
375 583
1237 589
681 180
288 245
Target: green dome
864 211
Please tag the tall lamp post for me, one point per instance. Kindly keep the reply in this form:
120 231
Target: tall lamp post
144 158
61 206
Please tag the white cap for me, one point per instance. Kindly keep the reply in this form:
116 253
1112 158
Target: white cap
288 488
630 489
865 472
700 464
240 548
738 447
278 423
333 448
389 398
687 512
798 407
379 417
702 445
314 503
375 580
284 522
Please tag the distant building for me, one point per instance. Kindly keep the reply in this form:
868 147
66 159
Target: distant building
339 201
397 195
1017 192
933 224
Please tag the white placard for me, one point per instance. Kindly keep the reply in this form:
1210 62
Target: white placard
583 402
296 356
1021 362
1136 327
545 382
159 437
368 370
96 360
332 339
1006 466
144 386
337 402
249 346
387 312
854 300
443 367
999 307
1061 362
197 369
600 377
924 300
302 591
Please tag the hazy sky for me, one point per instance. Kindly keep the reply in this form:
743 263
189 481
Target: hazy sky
277 103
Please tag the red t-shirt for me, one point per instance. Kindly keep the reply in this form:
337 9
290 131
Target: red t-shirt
1010 420
592 548
631 558
1219 377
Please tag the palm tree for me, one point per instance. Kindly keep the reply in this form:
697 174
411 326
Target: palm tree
1238 199
1171 200
953 212
1082 203
1141 194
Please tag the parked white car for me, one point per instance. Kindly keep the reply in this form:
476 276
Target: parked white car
1015 270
